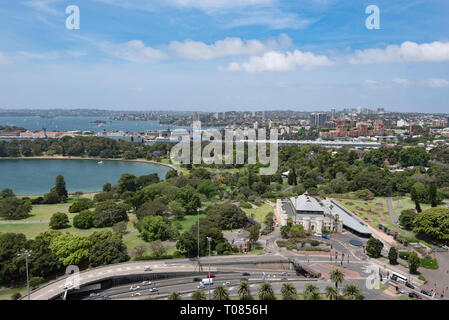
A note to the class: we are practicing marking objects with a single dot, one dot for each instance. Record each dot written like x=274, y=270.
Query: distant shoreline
x=90, y=159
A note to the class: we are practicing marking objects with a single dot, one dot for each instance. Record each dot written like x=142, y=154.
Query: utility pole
x=27, y=253
x=198, y=252
x=210, y=279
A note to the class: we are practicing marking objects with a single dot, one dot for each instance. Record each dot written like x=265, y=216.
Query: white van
x=207, y=281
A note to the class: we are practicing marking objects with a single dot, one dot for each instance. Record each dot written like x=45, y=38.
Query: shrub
x=84, y=220
x=59, y=220
x=80, y=205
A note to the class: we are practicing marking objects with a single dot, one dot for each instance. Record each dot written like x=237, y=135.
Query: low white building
x=313, y=215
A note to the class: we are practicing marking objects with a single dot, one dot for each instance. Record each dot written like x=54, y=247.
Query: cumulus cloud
x=197, y=50
x=406, y=52
x=281, y=62
x=135, y=51
x=402, y=82
x=437, y=83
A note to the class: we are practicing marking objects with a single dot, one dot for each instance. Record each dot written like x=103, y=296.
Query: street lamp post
x=209, y=240
x=27, y=253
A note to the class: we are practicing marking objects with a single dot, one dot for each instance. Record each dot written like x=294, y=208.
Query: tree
x=43, y=261
x=352, y=292
x=311, y=292
x=189, y=199
x=108, y=213
x=288, y=291
x=433, y=197
x=127, y=182
x=144, y=181
x=254, y=233
x=433, y=224
x=413, y=262
x=413, y=157
x=198, y=294
x=108, y=251
x=393, y=256
x=11, y=270
x=244, y=291
x=332, y=293
x=174, y=296
x=374, y=247
x=297, y=231
x=52, y=197
x=84, y=220
x=266, y=292
x=207, y=188
x=71, y=249
x=154, y=207
x=14, y=208
x=59, y=220
x=153, y=228
x=157, y=249
x=176, y=208
x=407, y=218
x=80, y=205
x=292, y=179
x=120, y=227
x=221, y=293
x=226, y=214
x=337, y=276
x=60, y=188
x=107, y=187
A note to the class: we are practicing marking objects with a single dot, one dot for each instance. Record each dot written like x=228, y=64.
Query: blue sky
x=219, y=55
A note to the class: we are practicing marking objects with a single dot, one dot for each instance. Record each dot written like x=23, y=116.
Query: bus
x=398, y=277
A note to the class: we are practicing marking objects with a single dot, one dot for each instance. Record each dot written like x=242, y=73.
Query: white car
x=200, y=286
x=401, y=291
x=153, y=290
x=93, y=294
x=135, y=294
x=68, y=285
x=148, y=268
x=134, y=288
x=146, y=283
x=227, y=283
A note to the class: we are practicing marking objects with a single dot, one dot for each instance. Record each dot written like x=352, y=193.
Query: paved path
x=394, y=217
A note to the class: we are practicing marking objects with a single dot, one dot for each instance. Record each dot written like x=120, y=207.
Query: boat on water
x=100, y=162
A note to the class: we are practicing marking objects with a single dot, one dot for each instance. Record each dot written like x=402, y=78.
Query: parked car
x=148, y=268
x=402, y=291
x=414, y=295
x=325, y=237
x=426, y=292
x=146, y=283
x=408, y=284
x=134, y=288
x=245, y=274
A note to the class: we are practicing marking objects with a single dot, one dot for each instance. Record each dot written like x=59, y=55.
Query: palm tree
x=288, y=291
x=311, y=292
x=337, y=276
x=174, y=296
x=331, y=293
x=352, y=292
x=266, y=292
x=199, y=295
x=244, y=291
x=221, y=293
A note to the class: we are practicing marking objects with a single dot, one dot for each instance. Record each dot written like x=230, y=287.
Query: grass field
x=5, y=294
x=259, y=213
x=372, y=212
x=189, y=220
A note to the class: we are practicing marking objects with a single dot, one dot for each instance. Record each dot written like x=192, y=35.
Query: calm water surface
x=35, y=177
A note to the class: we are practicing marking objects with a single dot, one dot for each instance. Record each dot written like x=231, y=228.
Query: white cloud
x=134, y=50
x=197, y=50
x=218, y=4
x=406, y=52
x=402, y=82
x=45, y=6
x=437, y=83
x=274, y=19
x=277, y=61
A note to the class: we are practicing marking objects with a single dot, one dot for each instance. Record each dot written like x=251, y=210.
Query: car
x=68, y=285
x=136, y=294
x=426, y=292
x=227, y=283
x=245, y=274
x=284, y=279
x=210, y=275
x=200, y=286
x=147, y=268
x=408, y=284
x=146, y=283
x=93, y=294
x=105, y=297
x=134, y=288
x=325, y=237
x=401, y=291
x=197, y=279
x=414, y=295
x=153, y=290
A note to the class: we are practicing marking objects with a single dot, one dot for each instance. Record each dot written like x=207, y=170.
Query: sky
x=222, y=55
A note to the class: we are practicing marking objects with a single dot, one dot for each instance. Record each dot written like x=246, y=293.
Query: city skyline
x=244, y=55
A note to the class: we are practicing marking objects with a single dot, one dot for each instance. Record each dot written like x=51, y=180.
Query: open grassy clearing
x=259, y=213
x=372, y=212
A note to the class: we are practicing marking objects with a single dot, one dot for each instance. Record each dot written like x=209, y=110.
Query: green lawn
x=373, y=212
x=6, y=294
x=188, y=221
x=259, y=213
x=404, y=203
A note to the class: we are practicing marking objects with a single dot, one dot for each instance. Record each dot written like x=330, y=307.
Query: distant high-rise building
x=196, y=116
x=318, y=119
x=333, y=113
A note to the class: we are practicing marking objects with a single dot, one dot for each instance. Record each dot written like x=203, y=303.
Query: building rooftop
x=305, y=202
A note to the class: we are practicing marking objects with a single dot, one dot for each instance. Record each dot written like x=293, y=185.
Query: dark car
x=408, y=284
x=197, y=279
x=426, y=292
x=414, y=295
x=245, y=274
